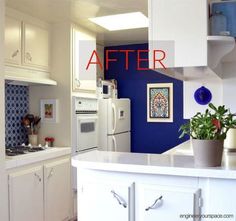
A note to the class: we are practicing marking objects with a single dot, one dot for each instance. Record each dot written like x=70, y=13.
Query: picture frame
x=160, y=102
x=49, y=110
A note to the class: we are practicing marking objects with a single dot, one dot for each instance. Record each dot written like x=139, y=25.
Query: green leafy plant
x=211, y=125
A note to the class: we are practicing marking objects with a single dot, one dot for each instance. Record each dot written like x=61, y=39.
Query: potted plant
x=208, y=131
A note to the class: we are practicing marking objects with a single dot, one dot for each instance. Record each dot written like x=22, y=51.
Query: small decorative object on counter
x=31, y=124
x=49, y=141
x=208, y=131
x=218, y=23
x=203, y=96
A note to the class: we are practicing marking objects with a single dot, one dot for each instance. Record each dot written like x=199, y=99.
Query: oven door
x=87, y=135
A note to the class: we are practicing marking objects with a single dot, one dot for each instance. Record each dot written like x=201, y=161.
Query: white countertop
x=24, y=159
x=179, y=163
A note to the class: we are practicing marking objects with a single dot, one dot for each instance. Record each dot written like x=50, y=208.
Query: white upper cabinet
x=35, y=46
x=12, y=41
x=26, y=44
x=83, y=73
x=179, y=27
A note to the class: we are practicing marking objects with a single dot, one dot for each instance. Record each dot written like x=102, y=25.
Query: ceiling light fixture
x=122, y=21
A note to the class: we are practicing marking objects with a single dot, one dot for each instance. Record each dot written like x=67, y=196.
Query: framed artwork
x=160, y=102
x=48, y=110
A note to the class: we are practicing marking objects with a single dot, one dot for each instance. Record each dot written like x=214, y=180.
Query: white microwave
x=107, y=89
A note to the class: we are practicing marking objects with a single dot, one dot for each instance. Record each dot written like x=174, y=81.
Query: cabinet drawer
x=156, y=202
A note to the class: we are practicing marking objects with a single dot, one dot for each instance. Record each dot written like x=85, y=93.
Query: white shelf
x=218, y=48
x=16, y=80
x=220, y=40
x=22, y=76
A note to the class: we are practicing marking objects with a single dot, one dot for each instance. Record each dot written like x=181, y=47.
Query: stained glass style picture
x=160, y=102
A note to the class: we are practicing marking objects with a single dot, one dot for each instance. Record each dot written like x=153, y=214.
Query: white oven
x=85, y=129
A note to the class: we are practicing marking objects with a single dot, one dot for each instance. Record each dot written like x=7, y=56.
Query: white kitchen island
x=152, y=187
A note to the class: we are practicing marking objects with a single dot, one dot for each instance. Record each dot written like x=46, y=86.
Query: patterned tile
x=16, y=107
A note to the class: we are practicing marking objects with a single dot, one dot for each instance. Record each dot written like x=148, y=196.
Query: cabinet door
x=154, y=202
x=104, y=201
x=36, y=46
x=26, y=195
x=57, y=190
x=179, y=27
x=220, y=198
x=12, y=41
x=83, y=46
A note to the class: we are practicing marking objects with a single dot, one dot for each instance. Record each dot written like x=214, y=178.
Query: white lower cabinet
x=105, y=201
x=41, y=192
x=110, y=200
x=26, y=194
x=156, y=202
x=56, y=190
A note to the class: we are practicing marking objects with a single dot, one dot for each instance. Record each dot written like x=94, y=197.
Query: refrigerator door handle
x=114, y=118
x=114, y=144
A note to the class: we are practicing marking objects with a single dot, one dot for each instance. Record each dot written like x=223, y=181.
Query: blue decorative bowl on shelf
x=203, y=96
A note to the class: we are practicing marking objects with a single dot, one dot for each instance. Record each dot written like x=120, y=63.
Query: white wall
x=3, y=180
x=199, y=77
x=229, y=86
x=60, y=62
x=223, y=90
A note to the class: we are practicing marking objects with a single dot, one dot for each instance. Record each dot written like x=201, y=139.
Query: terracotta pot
x=207, y=153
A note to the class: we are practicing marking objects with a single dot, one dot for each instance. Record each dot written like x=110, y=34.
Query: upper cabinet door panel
x=84, y=71
x=12, y=41
x=36, y=46
x=179, y=27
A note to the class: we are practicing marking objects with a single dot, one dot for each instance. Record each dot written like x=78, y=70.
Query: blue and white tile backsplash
x=16, y=107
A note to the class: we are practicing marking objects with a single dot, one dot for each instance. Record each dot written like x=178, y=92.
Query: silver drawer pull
x=119, y=199
x=154, y=204
x=15, y=53
x=39, y=178
x=28, y=56
x=51, y=173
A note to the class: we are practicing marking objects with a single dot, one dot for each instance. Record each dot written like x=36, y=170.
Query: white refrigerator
x=114, y=125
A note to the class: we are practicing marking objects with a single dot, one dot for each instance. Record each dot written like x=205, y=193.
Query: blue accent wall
x=146, y=137
x=16, y=107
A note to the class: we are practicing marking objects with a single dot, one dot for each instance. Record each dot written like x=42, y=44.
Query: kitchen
x=55, y=79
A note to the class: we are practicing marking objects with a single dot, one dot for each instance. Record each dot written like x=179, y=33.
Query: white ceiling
x=79, y=11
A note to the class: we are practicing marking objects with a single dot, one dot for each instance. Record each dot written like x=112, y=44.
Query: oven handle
x=87, y=117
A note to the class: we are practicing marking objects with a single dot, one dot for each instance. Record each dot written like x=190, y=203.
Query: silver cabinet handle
x=119, y=199
x=15, y=53
x=39, y=178
x=51, y=173
x=77, y=82
x=154, y=204
x=28, y=56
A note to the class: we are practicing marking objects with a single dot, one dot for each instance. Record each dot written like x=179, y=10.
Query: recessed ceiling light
x=122, y=21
